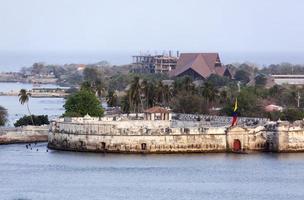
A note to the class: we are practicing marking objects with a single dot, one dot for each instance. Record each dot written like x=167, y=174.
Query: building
x=154, y=63
x=164, y=64
x=200, y=66
x=143, y=63
x=157, y=113
x=290, y=79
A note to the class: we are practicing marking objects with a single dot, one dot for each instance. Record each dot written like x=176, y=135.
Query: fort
x=173, y=133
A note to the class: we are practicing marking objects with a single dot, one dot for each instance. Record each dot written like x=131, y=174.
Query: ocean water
x=52, y=107
x=31, y=174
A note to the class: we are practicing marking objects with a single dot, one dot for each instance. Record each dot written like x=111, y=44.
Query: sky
x=105, y=27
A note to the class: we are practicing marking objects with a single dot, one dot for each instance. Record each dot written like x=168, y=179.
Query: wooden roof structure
x=204, y=64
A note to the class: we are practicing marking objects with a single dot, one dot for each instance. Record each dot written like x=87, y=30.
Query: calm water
x=39, y=106
x=31, y=174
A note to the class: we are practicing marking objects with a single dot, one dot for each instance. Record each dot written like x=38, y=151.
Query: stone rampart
x=174, y=136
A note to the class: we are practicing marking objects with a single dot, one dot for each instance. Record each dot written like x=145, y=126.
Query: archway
x=237, y=145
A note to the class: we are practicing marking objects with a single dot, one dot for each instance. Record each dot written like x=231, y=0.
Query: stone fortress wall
x=119, y=134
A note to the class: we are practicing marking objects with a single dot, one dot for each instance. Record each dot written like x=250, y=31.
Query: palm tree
x=209, y=92
x=111, y=98
x=160, y=92
x=167, y=94
x=135, y=94
x=99, y=87
x=145, y=91
x=24, y=97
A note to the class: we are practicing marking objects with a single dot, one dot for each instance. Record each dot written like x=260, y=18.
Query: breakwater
x=26, y=134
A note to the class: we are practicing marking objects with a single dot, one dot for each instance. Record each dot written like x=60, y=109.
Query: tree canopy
x=82, y=103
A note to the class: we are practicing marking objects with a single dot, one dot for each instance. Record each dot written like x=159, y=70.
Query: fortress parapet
x=119, y=134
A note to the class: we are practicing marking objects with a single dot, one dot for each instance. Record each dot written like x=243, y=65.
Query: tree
x=111, y=99
x=148, y=92
x=38, y=120
x=243, y=76
x=185, y=102
x=135, y=94
x=260, y=80
x=125, y=104
x=3, y=116
x=24, y=98
x=82, y=103
x=218, y=80
x=209, y=92
x=292, y=114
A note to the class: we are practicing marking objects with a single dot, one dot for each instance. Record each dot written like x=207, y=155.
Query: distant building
x=164, y=64
x=154, y=63
x=200, y=66
x=273, y=108
x=288, y=79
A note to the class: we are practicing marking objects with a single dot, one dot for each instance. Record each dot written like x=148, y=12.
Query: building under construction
x=154, y=63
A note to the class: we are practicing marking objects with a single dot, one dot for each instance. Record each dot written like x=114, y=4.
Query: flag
x=234, y=113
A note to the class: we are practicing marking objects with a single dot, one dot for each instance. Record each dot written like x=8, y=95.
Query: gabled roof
x=157, y=109
x=202, y=63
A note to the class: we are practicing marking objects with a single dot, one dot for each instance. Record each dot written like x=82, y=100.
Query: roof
x=202, y=63
x=157, y=109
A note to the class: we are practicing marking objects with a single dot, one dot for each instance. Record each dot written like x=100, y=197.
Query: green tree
x=243, y=76
x=3, y=116
x=24, y=97
x=38, y=120
x=185, y=102
x=112, y=99
x=125, y=104
x=82, y=103
x=260, y=80
x=218, y=80
x=209, y=92
x=135, y=94
x=292, y=114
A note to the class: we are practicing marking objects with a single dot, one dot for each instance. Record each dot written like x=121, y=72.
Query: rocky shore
x=26, y=134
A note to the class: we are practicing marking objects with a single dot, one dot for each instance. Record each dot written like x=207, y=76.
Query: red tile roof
x=157, y=109
x=201, y=63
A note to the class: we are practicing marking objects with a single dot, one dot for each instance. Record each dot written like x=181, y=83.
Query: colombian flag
x=234, y=114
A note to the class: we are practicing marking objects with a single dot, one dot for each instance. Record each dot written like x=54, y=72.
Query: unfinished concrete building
x=148, y=63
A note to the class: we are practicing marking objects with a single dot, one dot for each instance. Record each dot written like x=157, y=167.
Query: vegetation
x=135, y=92
x=3, y=116
x=27, y=120
x=112, y=99
x=82, y=103
x=24, y=97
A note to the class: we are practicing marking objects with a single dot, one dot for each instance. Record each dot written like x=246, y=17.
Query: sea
x=40, y=174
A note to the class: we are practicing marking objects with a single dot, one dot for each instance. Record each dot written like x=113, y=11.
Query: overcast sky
x=134, y=25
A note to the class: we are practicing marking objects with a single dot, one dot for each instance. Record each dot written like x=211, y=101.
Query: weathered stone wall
x=135, y=136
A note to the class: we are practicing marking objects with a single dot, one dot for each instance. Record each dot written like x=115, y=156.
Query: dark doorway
x=143, y=146
x=237, y=145
x=103, y=146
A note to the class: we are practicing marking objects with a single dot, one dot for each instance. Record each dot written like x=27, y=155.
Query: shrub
x=38, y=120
x=292, y=114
